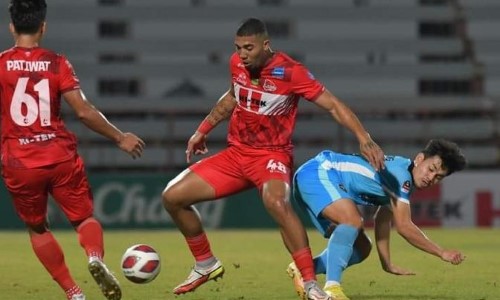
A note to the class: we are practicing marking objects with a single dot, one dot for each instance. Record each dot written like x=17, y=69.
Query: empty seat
x=462, y=129
x=391, y=130
x=483, y=155
x=112, y=157
x=184, y=128
x=316, y=129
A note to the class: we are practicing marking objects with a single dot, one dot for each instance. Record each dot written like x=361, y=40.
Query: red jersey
x=267, y=106
x=32, y=131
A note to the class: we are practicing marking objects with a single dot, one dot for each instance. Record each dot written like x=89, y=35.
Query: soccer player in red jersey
x=262, y=106
x=39, y=155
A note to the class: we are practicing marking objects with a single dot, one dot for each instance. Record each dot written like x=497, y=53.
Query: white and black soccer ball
x=140, y=263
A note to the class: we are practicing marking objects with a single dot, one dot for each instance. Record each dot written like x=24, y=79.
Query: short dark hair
x=449, y=152
x=252, y=26
x=27, y=15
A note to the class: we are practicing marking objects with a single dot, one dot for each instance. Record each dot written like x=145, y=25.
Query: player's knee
x=84, y=220
x=343, y=211
x=354, y=221
x=39, y=228
x=174, y=197
x=169, y=198
x=277, y=205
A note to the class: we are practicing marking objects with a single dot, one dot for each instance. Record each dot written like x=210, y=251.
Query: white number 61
x=34, y=109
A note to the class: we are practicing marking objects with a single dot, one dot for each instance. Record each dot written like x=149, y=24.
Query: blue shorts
x=315, y=188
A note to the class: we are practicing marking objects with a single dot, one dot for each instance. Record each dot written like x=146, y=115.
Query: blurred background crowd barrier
x=411, y=69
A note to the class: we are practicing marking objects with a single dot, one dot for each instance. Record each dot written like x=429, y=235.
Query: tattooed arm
x=223, y=108
x=346, y=117
x=221, y=111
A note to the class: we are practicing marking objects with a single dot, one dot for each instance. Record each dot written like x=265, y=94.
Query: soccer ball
x=140, y=263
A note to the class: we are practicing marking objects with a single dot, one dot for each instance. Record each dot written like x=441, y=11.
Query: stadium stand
x=155, y=67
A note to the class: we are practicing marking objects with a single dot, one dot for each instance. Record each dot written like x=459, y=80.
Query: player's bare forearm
x=97, y=122
x=343, y=115
x=382, y=230
x=91, y=116
x=128, y=142
x=418, y=239
x=222, y=110
x=346, y=117
x=409, y=231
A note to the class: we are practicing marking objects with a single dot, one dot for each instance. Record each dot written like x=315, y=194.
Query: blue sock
x=340, y=251
x=320, y=262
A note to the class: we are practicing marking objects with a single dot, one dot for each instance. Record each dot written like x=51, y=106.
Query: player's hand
x=196, y=145
x=452, y=256
x=131, y=144
x=396, y=270
x=373, y=153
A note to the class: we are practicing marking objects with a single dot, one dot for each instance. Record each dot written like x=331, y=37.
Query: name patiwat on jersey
x=30, y=66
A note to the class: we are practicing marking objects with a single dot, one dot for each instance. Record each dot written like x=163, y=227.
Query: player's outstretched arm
x=409, y=231
x=346, y=117
x=383, y=218
x=221, y=111
x=96, y=121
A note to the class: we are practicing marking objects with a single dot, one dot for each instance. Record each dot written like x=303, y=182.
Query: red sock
x=200, y=247
x=91, y=237
x=304, y=261
x=51, y=256
x=73, y=291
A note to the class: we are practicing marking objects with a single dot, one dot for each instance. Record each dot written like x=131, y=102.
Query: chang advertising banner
x=134, y=201
x=466, y=199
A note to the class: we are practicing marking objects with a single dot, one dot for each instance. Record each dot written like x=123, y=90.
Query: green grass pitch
x=255, y=262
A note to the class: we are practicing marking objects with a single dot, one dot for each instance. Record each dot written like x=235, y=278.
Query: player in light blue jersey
x=330, y=186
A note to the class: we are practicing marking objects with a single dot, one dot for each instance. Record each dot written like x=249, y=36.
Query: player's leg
x=292, y=269
x=51, y=255
x=343, y=212
x=275, y=195
x=271, y=173
x=361, y=249
x=28, y=189
x=315, y=190
x=212, y=178
x=71, y=191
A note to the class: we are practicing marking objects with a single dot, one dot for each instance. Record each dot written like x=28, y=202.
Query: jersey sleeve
x=397, y=183
x=68, y=80
x=304, y=83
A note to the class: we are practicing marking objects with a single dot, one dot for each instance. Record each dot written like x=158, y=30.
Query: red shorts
x=238, y=168
x=65, y=181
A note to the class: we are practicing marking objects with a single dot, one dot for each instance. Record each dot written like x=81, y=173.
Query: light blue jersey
x=331, y=176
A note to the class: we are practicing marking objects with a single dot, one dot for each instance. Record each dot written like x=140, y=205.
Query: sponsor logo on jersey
x=269, y=86
x=255, y=102
x=406, y=187
x=37, y=138
x=241, y=79
x=278, y=72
